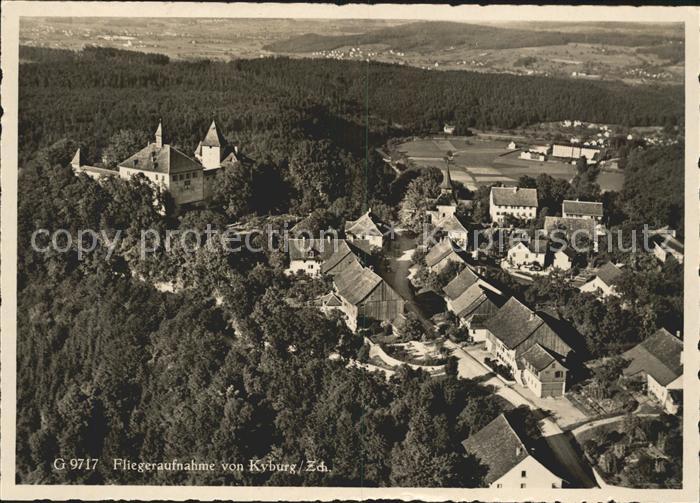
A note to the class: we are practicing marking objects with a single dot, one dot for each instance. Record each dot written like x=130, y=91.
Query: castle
x=188, y=180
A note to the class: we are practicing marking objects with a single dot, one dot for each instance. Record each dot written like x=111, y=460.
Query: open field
x=479, y=161
x=598, y=51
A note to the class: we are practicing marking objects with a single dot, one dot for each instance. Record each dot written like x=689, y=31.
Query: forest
x=111, y=367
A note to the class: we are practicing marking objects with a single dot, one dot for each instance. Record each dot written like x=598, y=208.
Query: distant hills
x=430, y=36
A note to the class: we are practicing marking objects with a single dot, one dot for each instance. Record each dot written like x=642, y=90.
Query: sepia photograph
x=302, y=247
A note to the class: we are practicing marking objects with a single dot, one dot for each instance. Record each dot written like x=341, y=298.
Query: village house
x=579, y=233
x=541, y=149
x=512, y=332
x=658, y=360
x=573, y=152
x=511, y=462
x=366, y=228
x=453, y=230
x=307, y=255
x=512, y=146
x=528, y=253
x=532, y=156
x=366, y=297
x=563, y=258
x=665, y=246
x=582, y=209
x=345, y=255
x=603, y=283
x=442, y=254
x=473, y=300
x=513, y=201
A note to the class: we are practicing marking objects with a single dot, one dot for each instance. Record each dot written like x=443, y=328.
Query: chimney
x=517, y=451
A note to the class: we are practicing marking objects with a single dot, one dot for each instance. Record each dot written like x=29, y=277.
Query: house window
x=498, y=486
x=522, y=486
x=523, y=473
x=558, y=374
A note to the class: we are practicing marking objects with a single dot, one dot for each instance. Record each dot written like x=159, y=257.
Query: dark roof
x=567, y=226
x=213, y=138
x=165, y=159
x=608, y=273
x=365, y=225
x=318, y=249
x=514, y=196
x=659, y=355
x=539, y=357
x=589, y=208
x=665, y=241
x=477, y=299
x=340, y=259
x=461, y=283
x=440, y=251
x=355, y=283
x=498, y=446
x=513, y=323
x=451, y=223
x=446, y=183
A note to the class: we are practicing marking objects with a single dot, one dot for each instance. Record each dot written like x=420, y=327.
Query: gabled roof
x=477, y=299
x=498, y=446
x=328, y=300
x=539, y=357
x=363, y=226
x=340, y=259
x=466, y=278
x=567, y=226
x=451, y=224
x=513, y=323
x=534, y=245
x=668, y=242
x=514, y=196
x=355, y=283
x=440, y=251
x=165, y=159
x=659, y=355
x=318, y=249
x=608, y=273
x=213, y=138
x=588, y=208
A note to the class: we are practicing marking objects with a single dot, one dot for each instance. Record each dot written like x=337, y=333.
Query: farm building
x=582, y=209
x=366, y=297
x=366, y=228
x=511, y=463
x=659, y=360
x=603, y=283
x=514, y=330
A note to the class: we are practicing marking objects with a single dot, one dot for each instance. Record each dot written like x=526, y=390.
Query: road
x=556, y=446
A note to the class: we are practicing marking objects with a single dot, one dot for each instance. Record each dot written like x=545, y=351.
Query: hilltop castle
x=188, y=180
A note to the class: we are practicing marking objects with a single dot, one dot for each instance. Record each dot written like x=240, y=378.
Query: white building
x=512, y=463
x=573, y=152
x=582, y=209
x=366, y=228
x=603, y=283
x=308, y=255
x=527, y=253
x=658, y=359
x=513, y=201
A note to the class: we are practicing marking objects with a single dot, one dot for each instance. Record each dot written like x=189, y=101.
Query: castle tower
x=213, y=147
x=159, y=135
x=76, y=162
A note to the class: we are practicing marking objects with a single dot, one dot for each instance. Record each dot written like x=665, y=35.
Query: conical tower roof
x=76, y=161
x=213, y=137
x=446, y=180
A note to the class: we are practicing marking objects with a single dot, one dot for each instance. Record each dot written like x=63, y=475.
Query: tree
x=123, y=144
x=418, y=197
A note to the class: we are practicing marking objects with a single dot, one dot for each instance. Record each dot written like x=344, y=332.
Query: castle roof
x=165, y=159
x=213, y=137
